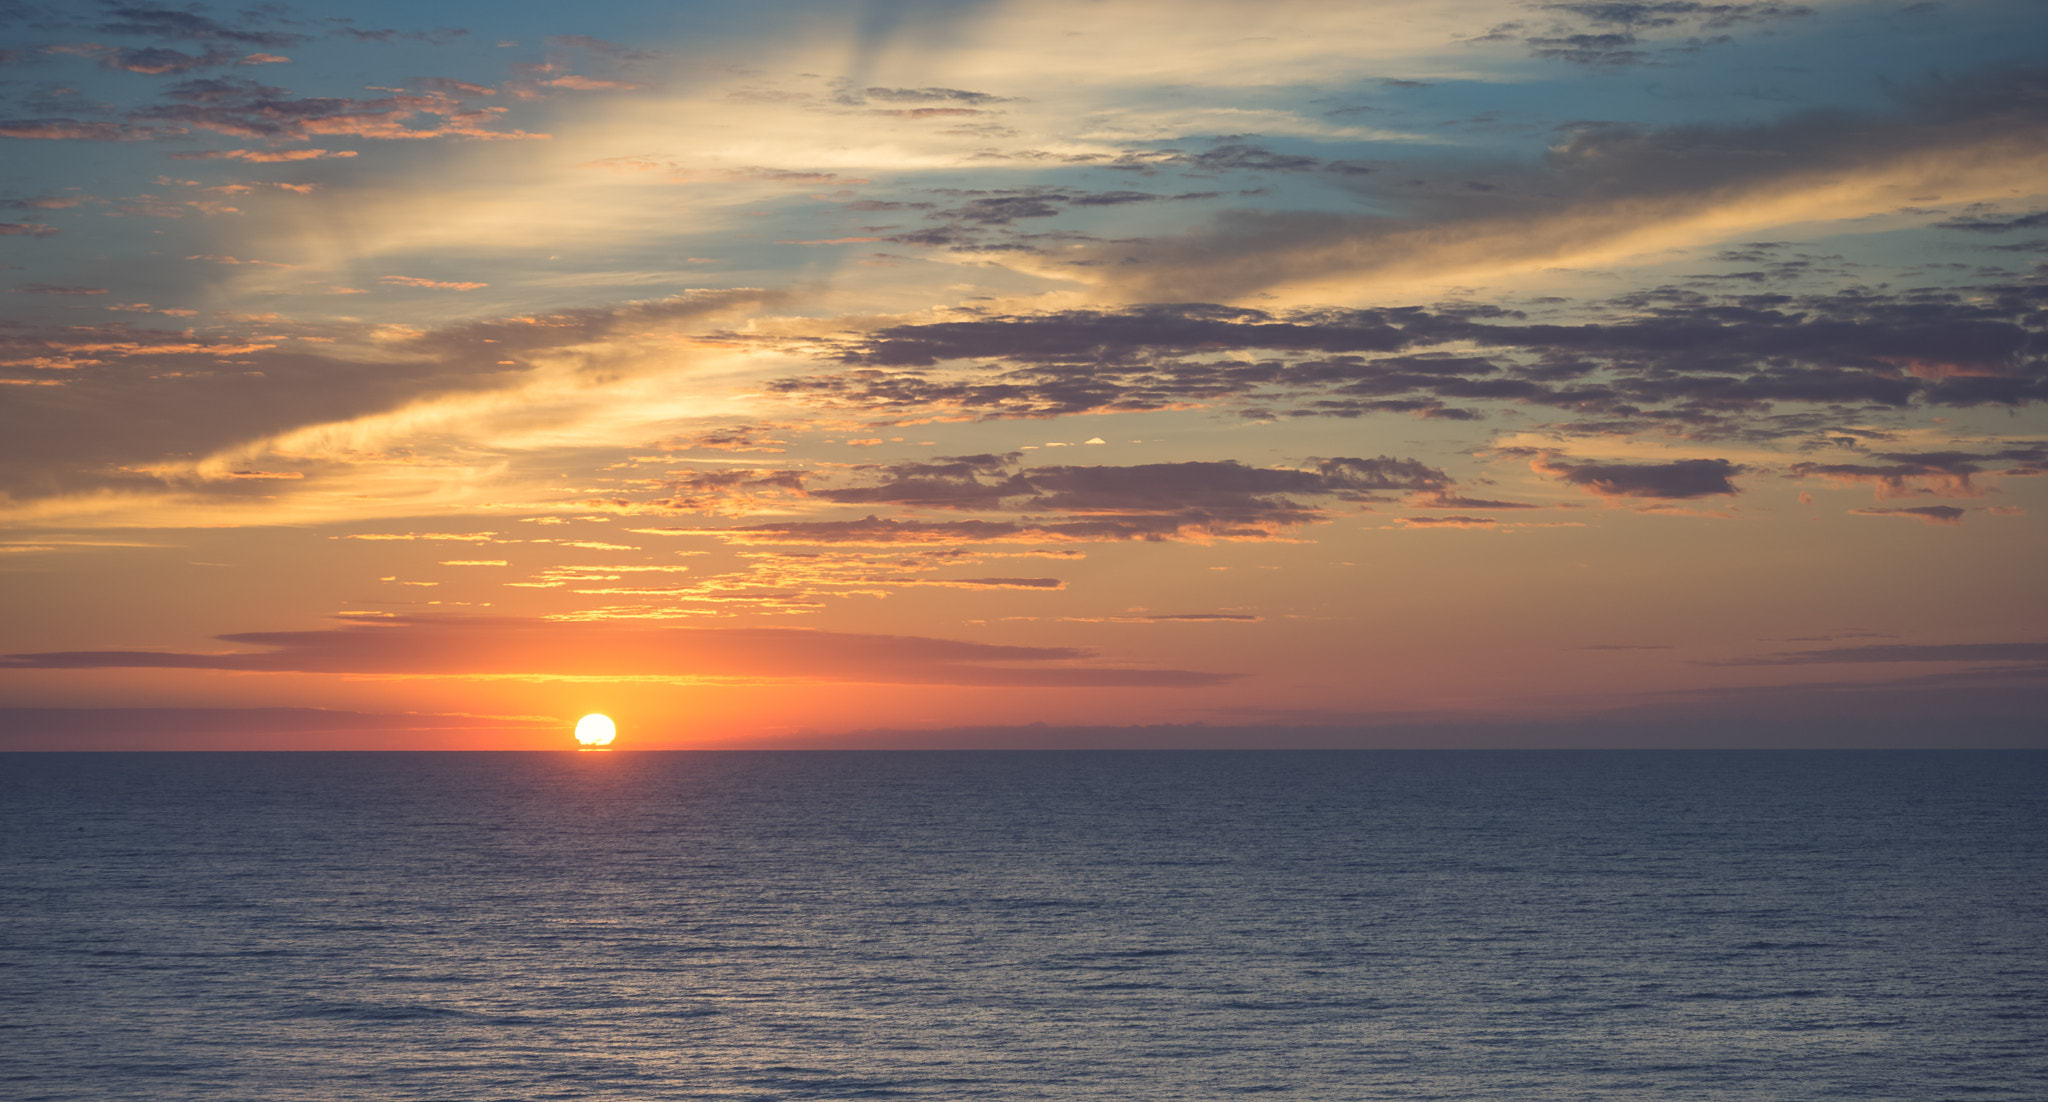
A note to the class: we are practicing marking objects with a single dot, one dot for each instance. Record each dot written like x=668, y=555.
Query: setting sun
x=595, y=730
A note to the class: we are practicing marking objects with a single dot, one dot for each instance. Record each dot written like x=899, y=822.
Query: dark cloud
x=239, y=728
x=439, y=36
x=1444, y=499
x=54, y=289
x=1681, y=480
x=143, y=21
x=154, y=60
x=993, y=482
x=1229, y=156
x=951, y=482
x=732, y=438
x=1672, y=13
x=1597, y=184
x=603, y=48
x=1194, y=501
x=720, y=492
x=1946, y=515
x=2035, y=221
x=1901, y=652
x=86, y=130
x=1687, y=362
x=1939, y=474
x=211, y=389
x=246, y=108
x=1454, y=521
x=1120, y=198
x=406, y=646
x=933, y=95
x=1612, y=49
x=982, y=219
x=1606, y=34
x=875, y=532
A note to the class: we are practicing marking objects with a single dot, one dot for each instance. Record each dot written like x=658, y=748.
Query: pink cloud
x=262, y=157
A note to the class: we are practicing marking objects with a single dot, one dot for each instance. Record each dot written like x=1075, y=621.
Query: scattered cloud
x=263, y=156
x=439, y=285
x=1902, y=652
x=1947, y=515
x=1679, y=480
x=414, y=646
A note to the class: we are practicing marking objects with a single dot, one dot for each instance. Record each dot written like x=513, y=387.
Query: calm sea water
x=1048, y=925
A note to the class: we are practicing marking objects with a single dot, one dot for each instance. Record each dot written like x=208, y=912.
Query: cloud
x=64, y=129
x=415, y=281
x=1195, y=501
x=1680, y=480
x=439, y=36
x=1448, y=522
x=27, y=229
x=1612, y=33
x=1601, y=194
x=2034, y=221
x=247, y=109
x=1191, y=501
x=601, y=47
x=1662, y=360
x=358, y=396
x=728, y=492
x=872, y=531
x=588, y=84
x=145, y=21
x=1929, y=514
x=933, y=95
x=986, y=219
x=243, y=728
x=1936, y=474
x=736, y=438
x=1901, y=652
x=155, y=60
x=489, y=647
x=54, y=289
x=257, y=156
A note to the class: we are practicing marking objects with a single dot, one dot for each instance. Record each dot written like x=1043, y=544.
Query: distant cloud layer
x=484, y=646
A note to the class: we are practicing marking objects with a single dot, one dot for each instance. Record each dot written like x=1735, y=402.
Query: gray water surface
x=1036, y=925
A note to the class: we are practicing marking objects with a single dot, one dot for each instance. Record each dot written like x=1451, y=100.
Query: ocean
x=1342, y=925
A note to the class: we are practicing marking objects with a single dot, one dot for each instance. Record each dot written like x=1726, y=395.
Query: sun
x=595, y=731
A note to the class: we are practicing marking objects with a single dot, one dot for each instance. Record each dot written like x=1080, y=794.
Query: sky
x=989, y=373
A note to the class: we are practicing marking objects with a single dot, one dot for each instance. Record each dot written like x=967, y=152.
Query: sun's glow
x=596, y=730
